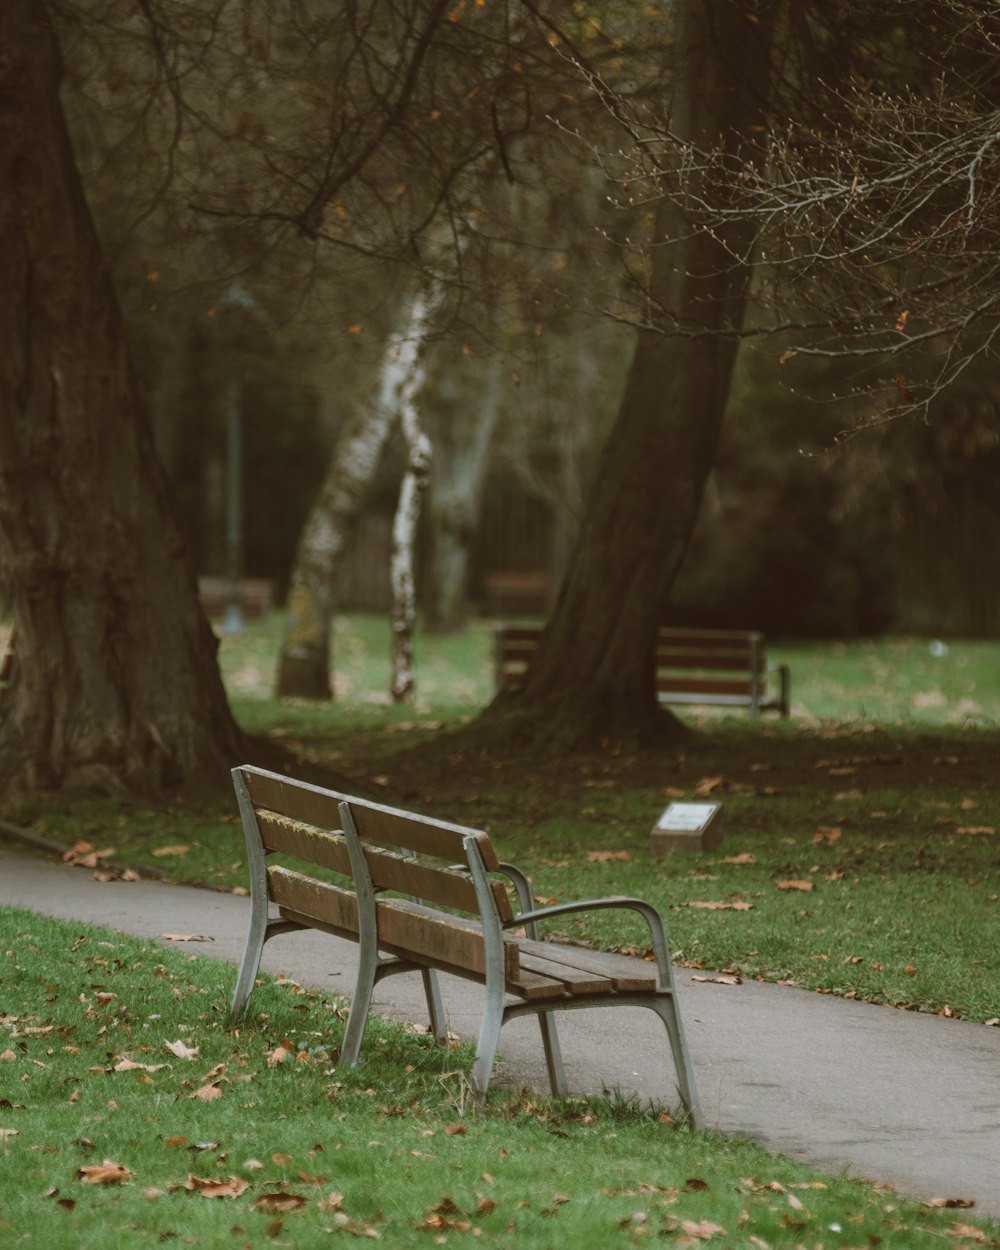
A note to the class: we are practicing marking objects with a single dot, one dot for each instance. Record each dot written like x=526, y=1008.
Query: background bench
x=466, y=914
x=723, y=667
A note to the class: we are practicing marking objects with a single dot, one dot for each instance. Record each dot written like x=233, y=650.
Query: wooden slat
x=404, y=928
x=319, y=899
x=575, y=980
x=305, y=842
x=389, y=826
x=719, y=661
x=703, y=685
x=626, y=973
x=450, y=941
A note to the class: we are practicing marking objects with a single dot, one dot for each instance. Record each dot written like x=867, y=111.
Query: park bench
x=727, y=668
x=461, y=912
x=255, y=596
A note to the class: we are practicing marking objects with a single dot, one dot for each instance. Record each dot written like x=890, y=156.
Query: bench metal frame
x=502, y=999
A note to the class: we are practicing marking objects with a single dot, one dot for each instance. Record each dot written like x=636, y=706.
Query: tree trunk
x=116, y=688
x=592, y=678
x=304, y=666
x=404, y=525
x=467, y=400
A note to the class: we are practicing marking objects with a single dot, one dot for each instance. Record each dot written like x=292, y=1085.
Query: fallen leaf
x=716, y=905
x=207, y=1093
x=188, y=937
x=720, y=980
x=170, y=850
x=827, y=835
x=280, y=1203
x=106, y=1173
x=7, y=1133
x=950, y=1202
x=600, y=857
x=975, y=830
x=707, y=784
x=746, y=858
x=182, y=1050
x=332, y=1202
x=211, y=1188
x=795, y=885
x=129, y=1065
x=279, y=1054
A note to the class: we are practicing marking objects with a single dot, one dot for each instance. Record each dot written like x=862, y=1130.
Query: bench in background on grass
x=723, y=667
x=465, y=913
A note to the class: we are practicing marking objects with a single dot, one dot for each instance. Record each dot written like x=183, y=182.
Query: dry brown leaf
x=975, y=830
x=188, y=937
x=707, y=784
x=825, y=834
x=715, y=905
x=170, y=850
x=209, y=1187
x=795, y=885
x=720, y=980
x=280, y=1203
x=950, y=1202
x=279, y=1054
x=106, y=1173
x=7, y=1133
x=208, y=1093
x=7, y=1056
x=599, y=857
x=129, y=1065
x=746, y=858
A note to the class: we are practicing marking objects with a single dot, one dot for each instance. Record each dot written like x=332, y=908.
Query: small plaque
x=687, y=827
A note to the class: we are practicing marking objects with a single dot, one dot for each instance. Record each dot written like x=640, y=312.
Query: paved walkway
x=892, y=1096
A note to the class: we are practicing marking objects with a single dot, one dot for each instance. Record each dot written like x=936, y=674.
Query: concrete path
x=891, y=1096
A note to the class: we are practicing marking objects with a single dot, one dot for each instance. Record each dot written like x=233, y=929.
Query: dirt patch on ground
x=450, y=768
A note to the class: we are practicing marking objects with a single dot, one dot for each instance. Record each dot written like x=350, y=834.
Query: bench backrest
x=690, y=663
x=401, y=853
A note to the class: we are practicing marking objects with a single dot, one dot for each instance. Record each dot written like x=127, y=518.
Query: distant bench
x=723, y=667
x=255, y=597
x=466, y=914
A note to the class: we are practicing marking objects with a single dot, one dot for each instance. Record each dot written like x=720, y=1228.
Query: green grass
x=297, y=1151
x=892, y=826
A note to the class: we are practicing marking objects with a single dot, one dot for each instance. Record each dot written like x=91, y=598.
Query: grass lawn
x=860, y=835
x=131, y=1116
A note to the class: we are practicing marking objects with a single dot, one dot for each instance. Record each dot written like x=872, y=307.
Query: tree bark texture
x=402, y=578
x=592, y=678
x=468, y=396
x=116, y=688
x=305, y=662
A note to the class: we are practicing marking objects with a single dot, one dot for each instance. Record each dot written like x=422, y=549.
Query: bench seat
x=463, y=912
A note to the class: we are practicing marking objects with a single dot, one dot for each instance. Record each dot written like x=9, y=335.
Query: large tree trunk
x=116, y=688
x=592, y=678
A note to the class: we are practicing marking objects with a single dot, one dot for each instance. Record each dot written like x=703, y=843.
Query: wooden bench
x=727, y=668
x=464, y=913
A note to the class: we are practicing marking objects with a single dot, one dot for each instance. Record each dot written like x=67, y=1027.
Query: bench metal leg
x=553, y=1053
x=666, y=1008
x=435, y=1008
x=249, y=965
x=489, y=1037
x=361, y=1001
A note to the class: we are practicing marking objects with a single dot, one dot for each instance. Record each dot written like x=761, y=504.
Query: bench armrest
x=529, y=918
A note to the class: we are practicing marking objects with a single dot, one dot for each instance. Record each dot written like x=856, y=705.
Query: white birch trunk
x=404, y=526
x=304, y=667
